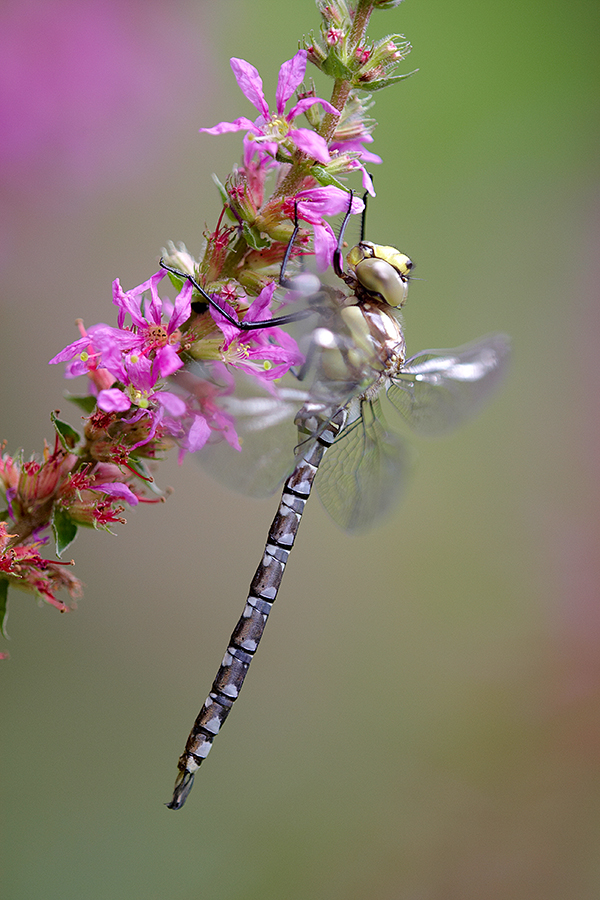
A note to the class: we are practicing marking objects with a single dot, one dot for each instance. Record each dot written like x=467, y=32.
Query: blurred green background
x=423, y=719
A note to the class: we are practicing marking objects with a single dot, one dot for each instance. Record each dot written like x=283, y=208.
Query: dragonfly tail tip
x=183, y=786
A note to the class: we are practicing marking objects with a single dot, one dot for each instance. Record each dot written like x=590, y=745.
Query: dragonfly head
x=381, y=270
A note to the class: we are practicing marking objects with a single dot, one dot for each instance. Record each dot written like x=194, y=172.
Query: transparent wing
x=262, y=420
x=438, y=389
x=363, y=474
x=267, y=427
x=268, y=436
x=337, y=367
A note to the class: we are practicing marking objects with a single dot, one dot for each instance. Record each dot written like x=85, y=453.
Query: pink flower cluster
x=128, y=366
x=271, y=140
x=272, y=137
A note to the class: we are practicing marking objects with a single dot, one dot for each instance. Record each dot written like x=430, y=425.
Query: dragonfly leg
x=283, y=281
x=243, y=326
x=338, y=256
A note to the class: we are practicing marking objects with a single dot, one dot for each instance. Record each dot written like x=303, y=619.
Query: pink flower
x=204, y=421
x=272, y=131
x=356, y=146
x=96, y=354
x=119, y=491
x=26, y=569
x=102, y=346
x=315, y=203
x=152, y=337
x=137, y=355
x=266, y=353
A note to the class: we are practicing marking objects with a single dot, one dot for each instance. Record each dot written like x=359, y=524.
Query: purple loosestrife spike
x=163, y=375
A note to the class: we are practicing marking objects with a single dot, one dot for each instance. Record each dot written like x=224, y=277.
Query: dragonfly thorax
x=386, y=335
x=377, y=336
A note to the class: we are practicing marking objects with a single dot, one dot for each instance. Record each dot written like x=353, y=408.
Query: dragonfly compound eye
x=380, y=277
x=381, y=270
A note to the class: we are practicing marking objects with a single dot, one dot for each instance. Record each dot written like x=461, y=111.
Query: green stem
x=339, y=96
x=294, y=178
x=341, y=88
x=361, y=20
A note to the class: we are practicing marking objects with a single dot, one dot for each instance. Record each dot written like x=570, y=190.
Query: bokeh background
x=423, y=719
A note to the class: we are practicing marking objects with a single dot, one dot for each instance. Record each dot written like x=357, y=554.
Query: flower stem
x=342, y=87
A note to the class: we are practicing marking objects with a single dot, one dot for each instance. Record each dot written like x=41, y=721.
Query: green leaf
x=176, y=281
x=4, y=607
x=384, y=82
x=221, y=189
x=325, y=178
x=64, y=528
x=335, y=68
x=254, y=238
x=69, y=438
x=87, y=404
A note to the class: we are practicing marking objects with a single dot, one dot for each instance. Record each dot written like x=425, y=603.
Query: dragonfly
x=356, y=356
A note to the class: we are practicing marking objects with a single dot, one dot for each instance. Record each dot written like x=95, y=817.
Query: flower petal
x=306, y=102
x=366, y=178
x=167, y=360
x=182, y=309
x=241, y=124
x=367, y=182
x=250, y=84
x=71, y=350
x=325, y=201
x=119, y=490
x=311, y=143
x=113, y=400
x=267, y=149
x=230, y=332
x=290, y=77
x=367, y=156
x=357, y=147
x=198, y=434
x=172, y=403
x=259, y=308
x=325, y=244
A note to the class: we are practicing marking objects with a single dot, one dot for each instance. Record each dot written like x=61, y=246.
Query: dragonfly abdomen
x=246, y=635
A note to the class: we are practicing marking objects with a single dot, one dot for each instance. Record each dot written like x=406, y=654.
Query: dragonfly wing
x=267, y=435
x=264, y=417
x=262, y=420
x=438, y=389
x=363, y=474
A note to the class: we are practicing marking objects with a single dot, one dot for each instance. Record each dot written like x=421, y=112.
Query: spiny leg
x=283, y=281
